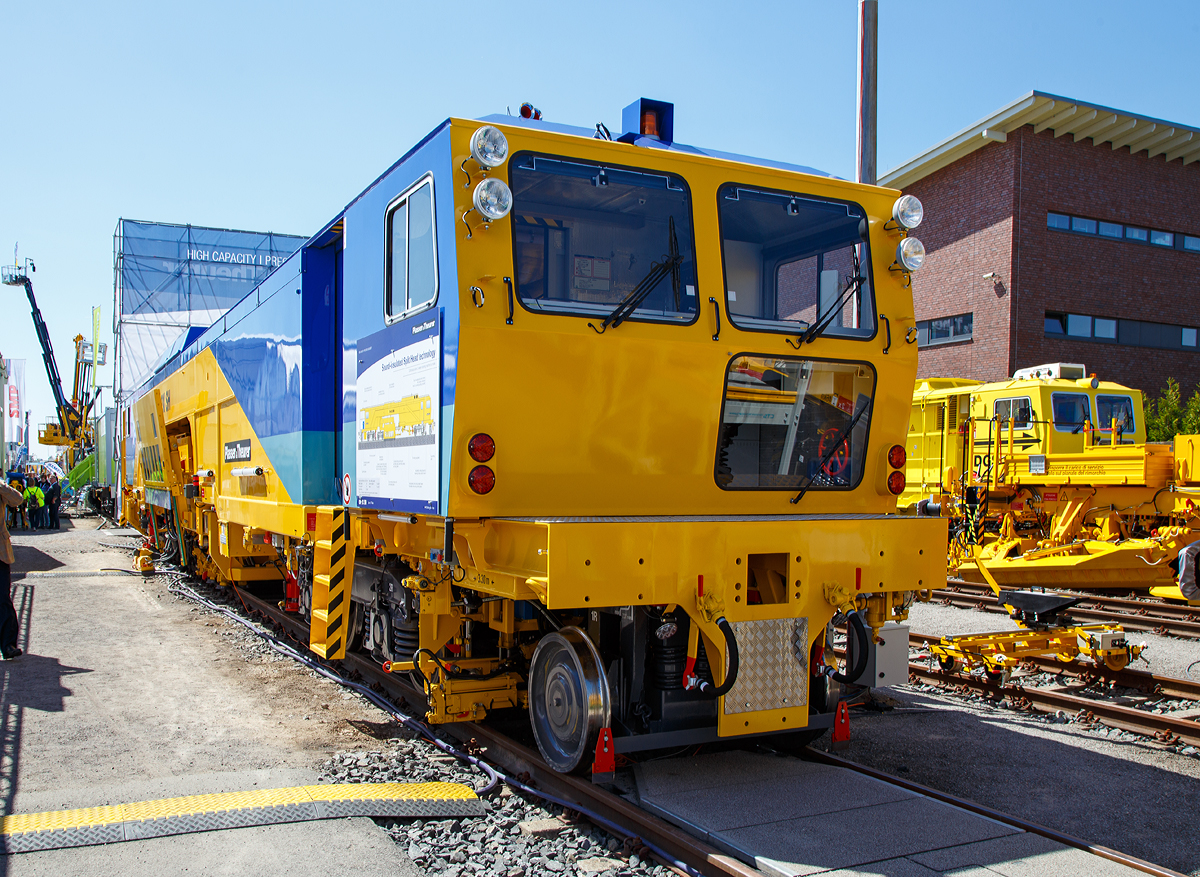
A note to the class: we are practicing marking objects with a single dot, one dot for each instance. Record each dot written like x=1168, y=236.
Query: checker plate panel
x=772, y=665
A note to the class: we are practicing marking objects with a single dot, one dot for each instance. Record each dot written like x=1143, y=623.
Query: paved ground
x=121, y=698
x=792, y=817
x=1107, y=787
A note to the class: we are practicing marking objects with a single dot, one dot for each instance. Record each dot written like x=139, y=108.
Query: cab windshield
x=795, y=261
x=590, y=238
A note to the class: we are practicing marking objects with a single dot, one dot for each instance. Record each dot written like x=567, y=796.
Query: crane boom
x=69, y=419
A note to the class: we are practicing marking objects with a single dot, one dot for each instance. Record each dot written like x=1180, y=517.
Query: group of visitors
x=41, y=498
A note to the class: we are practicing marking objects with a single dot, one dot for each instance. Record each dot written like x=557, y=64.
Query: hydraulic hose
x=731, y=650
x=853, y=674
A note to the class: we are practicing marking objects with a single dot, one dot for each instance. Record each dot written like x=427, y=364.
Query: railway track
x=1163, y=619
x=1162, y=727
x=1150, y=683
x=518, y=760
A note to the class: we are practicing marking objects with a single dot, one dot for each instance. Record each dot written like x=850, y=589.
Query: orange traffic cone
x=841, y=727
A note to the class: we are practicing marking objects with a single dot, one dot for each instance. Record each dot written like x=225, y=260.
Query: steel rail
x=983, y=810
x=1149, y=623
x=1151, y=683
x=1136, y=606
x=1162, y=727
x=516, y=760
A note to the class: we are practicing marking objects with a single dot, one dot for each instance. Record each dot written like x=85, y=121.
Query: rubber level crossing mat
x=57, y=829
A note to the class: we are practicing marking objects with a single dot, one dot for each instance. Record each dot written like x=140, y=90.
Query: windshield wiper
x=841, y=440
x=654, y=276
x=821, y=323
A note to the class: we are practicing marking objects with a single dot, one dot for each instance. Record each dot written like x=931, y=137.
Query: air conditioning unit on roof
x=1069, y=371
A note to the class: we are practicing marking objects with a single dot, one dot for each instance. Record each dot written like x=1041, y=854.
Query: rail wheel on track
x=568, y=698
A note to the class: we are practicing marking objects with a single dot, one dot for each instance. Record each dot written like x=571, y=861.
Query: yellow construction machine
x=1048, y=481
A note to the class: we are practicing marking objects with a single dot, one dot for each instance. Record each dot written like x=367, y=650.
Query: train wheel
x=568, y=698
x=996, y=677
x=305, y=600
x=1116, y=662
x=947, y=664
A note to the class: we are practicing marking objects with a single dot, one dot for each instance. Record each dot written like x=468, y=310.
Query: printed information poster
x=398, y=416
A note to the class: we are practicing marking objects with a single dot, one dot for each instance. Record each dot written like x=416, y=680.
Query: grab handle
x=717, y=310
x=887, y=326
x=508, y=283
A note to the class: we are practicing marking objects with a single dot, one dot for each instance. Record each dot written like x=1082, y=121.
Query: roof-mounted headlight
x=489, y=146
x=493, y=199
x=910, y=253
x=907, y=212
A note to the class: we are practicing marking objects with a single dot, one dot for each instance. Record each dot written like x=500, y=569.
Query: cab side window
x=411, y=277
x=1071, y=411
x=1019, y=410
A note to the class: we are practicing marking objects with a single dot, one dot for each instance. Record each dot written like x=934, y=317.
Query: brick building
x=1059, y=231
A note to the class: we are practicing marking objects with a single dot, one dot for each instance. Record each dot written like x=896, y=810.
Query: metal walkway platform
x=59, y=829
x=790, y=817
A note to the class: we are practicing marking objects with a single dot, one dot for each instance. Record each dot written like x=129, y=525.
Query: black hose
x=860, y=652
x=731, y=650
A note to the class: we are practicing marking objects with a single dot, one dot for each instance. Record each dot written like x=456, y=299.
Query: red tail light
x=897, y=457
x=481, y=447
x=482, y=479
x=896, y=483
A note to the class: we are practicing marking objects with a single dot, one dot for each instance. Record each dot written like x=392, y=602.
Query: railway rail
x=517, y=759
x=1162, y=727
x=1164, y=619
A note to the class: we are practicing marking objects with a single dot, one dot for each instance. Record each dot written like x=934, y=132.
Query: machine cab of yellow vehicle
x=541, y=408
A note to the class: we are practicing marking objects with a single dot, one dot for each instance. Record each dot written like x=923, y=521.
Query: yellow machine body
x=1053, y=496
x=607, y=503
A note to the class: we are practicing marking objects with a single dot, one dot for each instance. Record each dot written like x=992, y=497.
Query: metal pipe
x=868, y=59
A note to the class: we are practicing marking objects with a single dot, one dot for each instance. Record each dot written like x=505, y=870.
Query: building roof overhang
x=1063, y=116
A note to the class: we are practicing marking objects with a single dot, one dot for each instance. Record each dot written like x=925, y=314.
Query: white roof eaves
x=1063, y=116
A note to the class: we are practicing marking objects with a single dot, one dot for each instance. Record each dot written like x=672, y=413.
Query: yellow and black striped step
x=58, y=829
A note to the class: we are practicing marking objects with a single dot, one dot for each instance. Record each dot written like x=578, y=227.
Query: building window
x=1131, y=333
x=1079, y=326
x=1117, y=231
x=945, y=330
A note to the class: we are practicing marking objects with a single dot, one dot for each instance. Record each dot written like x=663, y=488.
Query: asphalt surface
x=1107, y=787
x=122, y=696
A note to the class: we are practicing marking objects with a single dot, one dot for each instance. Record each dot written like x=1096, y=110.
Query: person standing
x=8, y=615
x=53, y=501
x=34, y=500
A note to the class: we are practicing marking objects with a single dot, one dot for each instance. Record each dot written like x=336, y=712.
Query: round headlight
x=489, y=146
x=907, y=211
x=493, y=199
x=910, y=253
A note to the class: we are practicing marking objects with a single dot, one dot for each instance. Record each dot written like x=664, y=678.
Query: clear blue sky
x=272, y=116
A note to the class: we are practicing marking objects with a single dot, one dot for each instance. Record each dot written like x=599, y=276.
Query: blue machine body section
x=288, y=349
x=363, y=307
